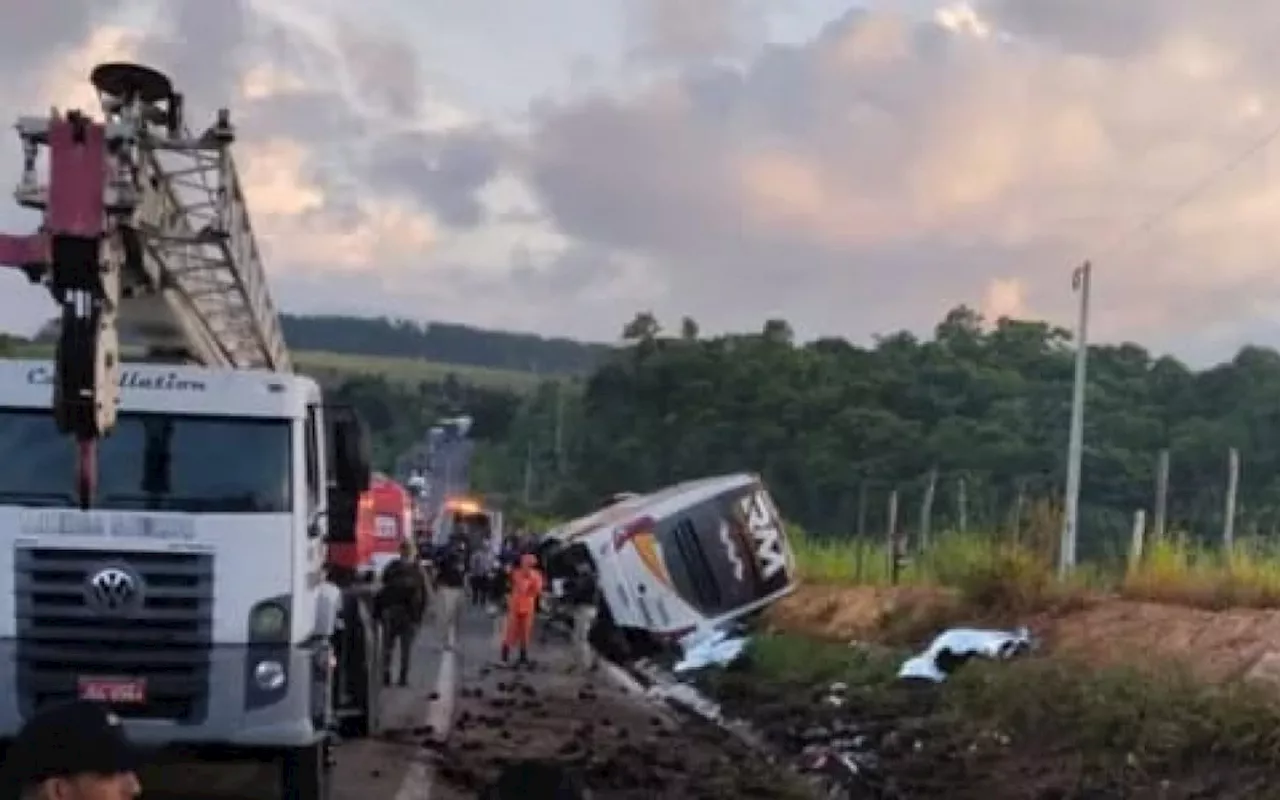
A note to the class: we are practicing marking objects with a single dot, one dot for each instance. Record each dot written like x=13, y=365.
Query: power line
x=1191, y=193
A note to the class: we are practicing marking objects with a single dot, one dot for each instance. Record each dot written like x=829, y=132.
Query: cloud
x=865, y=177
x=678, y=30
x=350, y=164
x=891, y=167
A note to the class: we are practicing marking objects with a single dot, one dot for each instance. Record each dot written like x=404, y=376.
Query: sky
x=557, y=166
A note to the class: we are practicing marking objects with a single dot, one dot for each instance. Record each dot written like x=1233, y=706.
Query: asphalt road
x=389, y=767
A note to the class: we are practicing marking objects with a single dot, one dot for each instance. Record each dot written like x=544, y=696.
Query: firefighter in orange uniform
x=522, y=605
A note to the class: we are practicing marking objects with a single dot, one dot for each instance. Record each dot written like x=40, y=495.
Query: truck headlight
x=269, y=675
x=269, y=622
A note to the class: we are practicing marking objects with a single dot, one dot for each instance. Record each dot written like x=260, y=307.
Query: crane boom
x=145, y=228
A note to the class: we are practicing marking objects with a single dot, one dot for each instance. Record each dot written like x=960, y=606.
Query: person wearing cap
x=72, y=751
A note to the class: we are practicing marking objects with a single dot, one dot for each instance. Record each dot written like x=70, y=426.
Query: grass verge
x=995, y=575
x=321, y=364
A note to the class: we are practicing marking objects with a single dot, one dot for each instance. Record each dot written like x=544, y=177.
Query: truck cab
x=482, y=525
x=191, y=595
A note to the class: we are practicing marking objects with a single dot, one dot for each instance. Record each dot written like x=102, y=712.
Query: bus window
x=705, y=586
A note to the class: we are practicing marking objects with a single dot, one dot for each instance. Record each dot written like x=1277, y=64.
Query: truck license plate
x=114, y=690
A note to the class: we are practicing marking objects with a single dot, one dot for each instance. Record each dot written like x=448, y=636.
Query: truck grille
x=64, y=635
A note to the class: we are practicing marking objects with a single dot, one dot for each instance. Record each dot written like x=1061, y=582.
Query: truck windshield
x=162, y=462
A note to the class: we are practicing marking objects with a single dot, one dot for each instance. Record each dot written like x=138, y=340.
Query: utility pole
x=1080, y=280
x=1162, y=495
x=1233, y=489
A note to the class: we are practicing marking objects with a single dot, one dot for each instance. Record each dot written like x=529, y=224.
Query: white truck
x=166, y=523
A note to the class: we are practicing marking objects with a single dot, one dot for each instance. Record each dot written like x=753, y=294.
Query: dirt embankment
x=1041, y=728
x=1215, y=645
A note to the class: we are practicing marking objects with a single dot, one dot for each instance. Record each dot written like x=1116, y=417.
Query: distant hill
x=441, y=343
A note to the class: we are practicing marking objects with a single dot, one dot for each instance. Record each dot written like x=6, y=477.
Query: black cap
x=69, y=739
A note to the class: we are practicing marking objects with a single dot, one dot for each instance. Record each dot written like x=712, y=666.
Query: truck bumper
x=237, y=712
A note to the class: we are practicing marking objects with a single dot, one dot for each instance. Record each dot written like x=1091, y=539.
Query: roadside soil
x=905, y=746
x=907, y=741
x=623, y=748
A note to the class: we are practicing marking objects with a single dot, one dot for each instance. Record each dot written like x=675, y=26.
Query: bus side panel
x=612, y=580
x=644, y=567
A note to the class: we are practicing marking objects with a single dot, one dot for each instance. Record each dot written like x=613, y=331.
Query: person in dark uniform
x=481, y=575
x=401, y=604
x=72, y=751
x=584, y=598
x=451, y=580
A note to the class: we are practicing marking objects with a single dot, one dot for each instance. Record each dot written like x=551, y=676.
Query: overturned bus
x=676, y=564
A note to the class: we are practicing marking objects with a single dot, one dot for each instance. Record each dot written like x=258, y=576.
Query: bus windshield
x=160, y=462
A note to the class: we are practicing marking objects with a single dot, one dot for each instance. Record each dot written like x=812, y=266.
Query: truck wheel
x=304, y=775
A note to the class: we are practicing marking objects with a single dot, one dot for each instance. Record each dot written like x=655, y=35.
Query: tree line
x=979, y=411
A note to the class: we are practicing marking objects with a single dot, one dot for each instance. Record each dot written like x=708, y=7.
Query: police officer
x=584, y=598
x=451, y=580
x=401, y=604
x=481, y=572
x=73, y=751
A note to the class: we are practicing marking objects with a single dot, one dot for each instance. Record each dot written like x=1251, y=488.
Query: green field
x=321, y=364
x=324, y=365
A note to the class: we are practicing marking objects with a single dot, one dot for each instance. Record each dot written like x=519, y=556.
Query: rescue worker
x=522, y=606
x=451, y=579
x=401, y=605
x=72, y=751
x=584, y=598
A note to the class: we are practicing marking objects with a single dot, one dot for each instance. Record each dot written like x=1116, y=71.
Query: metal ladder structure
x=145, y=229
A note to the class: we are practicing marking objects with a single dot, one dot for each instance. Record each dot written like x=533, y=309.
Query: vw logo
x=113, y=590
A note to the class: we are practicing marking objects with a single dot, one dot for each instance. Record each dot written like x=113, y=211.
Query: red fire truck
x=382, y=523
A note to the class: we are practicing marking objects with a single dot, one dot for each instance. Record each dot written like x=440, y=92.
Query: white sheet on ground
x=962, y=642
x=719, y=649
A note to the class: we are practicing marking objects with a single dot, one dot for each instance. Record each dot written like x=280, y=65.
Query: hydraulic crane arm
x=145, y=227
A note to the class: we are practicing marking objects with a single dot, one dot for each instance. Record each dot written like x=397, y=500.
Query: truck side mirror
x=352, y=463
x=350, y=472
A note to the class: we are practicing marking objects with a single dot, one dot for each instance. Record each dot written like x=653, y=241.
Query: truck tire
x=361, y=667
x=368, y=688
x=305, y=772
